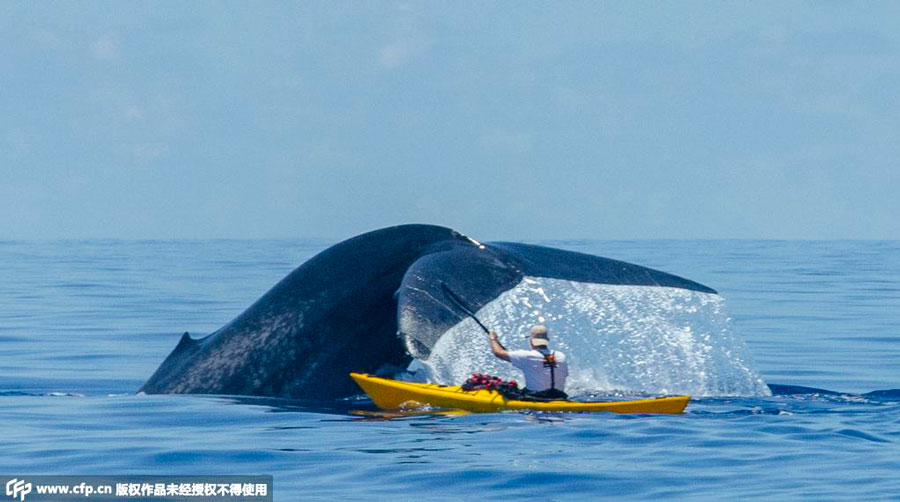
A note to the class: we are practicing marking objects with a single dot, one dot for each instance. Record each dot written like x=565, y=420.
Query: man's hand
x=496, y=348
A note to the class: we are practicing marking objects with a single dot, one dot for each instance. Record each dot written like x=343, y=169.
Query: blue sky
x=505, y=120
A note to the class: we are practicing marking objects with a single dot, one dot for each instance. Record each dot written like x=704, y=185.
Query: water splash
x=632, y=339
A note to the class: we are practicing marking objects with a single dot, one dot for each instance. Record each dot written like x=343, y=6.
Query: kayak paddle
x=459, y=303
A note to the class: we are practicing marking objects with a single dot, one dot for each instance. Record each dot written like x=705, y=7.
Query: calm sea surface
x=84, y=323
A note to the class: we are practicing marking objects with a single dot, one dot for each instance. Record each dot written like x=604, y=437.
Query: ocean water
x=84, y=323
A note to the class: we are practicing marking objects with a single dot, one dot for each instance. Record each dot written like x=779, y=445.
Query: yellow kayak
x=393, y=394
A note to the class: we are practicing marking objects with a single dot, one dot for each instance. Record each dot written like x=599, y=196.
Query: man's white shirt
x=537, y=376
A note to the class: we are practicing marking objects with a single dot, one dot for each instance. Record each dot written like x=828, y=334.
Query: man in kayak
x=545, y=370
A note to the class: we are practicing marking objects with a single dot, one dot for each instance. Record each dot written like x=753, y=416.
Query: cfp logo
x=16, y=488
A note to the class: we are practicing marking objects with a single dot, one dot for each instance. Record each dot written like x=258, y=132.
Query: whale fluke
x=370, y=302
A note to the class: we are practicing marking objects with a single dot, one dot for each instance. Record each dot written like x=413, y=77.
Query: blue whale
x=370, y=302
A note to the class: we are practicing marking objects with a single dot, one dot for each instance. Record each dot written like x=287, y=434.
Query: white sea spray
x=633, y=339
